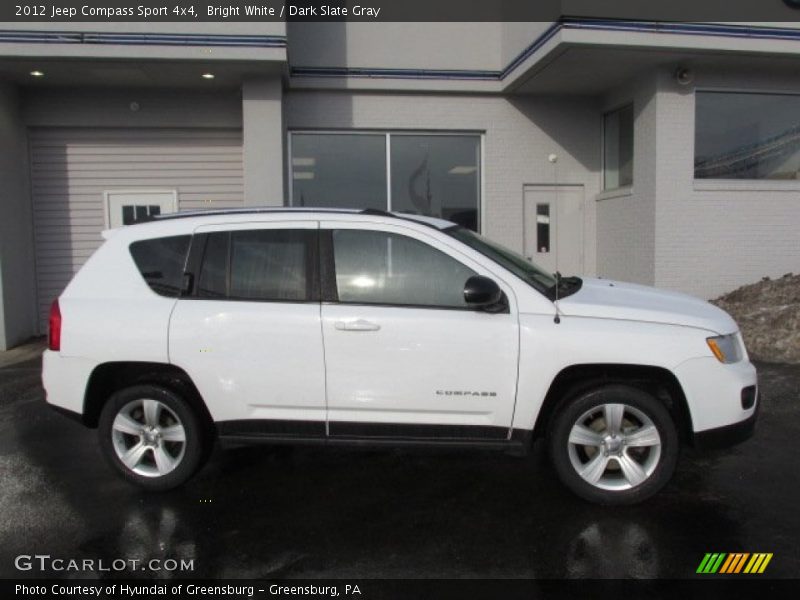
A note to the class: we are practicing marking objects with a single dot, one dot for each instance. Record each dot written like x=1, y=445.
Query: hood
x=606, y=299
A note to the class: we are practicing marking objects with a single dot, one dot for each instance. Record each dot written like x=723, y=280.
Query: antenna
x=553, y=159
x=557, y=318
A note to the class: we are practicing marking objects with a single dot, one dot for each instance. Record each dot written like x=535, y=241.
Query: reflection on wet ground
x=311, y=512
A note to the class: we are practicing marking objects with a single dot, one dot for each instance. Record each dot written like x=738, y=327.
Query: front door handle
x=357, y=325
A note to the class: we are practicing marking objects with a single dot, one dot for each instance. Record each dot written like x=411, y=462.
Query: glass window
x=437, y=175
x=213, y=280
x=542, y=228
x=131, y=213
x=161, y=262
x=374, y=267
x=618, y=148
x=516, y=263
x=433, y=175
x=267, y=265
x=339, y=170
x=746, y=136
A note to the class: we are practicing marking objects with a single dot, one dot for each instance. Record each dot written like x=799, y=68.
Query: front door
x=124, y=207
x=405, y=357
x=554, y=227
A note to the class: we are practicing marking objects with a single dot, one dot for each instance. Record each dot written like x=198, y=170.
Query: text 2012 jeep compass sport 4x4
x=376, y=328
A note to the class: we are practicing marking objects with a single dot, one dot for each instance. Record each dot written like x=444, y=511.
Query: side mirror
x=480, y=291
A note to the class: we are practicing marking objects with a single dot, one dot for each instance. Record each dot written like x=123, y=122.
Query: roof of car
x=422, y=219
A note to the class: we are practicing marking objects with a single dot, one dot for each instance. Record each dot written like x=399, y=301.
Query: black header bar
x=188, y=11
x=706, y=588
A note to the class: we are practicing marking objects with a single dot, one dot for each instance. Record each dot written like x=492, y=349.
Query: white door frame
x=143, y=191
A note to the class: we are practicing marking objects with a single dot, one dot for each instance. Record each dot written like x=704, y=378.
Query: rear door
x=249, y=334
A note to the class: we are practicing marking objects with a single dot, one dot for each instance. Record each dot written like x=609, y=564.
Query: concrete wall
x=195, y=51
x=396, y=45
x=714, y=236
x=519, y=134
x=703, y=237
x=98, y=107
x=17, y=286
x=626, y=217
x=518, y=35
x=262, y=110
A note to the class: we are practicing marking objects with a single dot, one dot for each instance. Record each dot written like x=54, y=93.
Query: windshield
x=517, y=264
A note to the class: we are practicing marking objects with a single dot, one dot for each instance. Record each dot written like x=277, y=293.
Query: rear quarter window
x=161, y=262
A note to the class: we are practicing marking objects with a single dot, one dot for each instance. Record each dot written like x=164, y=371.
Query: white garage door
x=73, y=171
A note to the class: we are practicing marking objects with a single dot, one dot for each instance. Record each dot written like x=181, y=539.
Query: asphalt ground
x=314, y=512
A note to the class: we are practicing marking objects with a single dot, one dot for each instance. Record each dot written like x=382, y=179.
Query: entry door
x=129, y=206
x=554, y=227
x=404, y=355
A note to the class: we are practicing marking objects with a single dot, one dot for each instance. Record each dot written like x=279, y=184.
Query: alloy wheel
x=148, y=438
x=614, y=446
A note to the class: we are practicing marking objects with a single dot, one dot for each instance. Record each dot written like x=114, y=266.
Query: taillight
x=54, y=339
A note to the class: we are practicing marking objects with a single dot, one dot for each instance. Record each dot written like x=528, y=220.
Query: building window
x=427, y=174
x=437, y=175
x=618, y=148
x=339, y=170
x=746, y=136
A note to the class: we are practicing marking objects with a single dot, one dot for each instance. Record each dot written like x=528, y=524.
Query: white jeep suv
x=372, y=328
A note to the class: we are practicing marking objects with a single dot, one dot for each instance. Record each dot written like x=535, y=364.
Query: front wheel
x=614, y=444
x=151, y=436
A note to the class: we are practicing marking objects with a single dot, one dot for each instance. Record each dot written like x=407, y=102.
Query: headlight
x=726, y=348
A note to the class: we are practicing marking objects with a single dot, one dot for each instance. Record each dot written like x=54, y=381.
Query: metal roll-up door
x=73, y=170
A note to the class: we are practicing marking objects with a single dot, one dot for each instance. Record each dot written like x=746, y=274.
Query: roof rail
x=378, y=212
x=374, y=212
x=205, y=212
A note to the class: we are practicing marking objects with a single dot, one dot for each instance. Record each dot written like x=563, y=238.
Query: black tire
x=189, y=455
x=661, y=464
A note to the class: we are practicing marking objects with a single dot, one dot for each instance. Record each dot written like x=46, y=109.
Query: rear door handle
x=357, y=325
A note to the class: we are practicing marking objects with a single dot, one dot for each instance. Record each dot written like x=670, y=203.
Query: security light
x=684, y=76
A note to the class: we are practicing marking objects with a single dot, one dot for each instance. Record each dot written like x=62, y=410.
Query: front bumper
x=713, y=392
x=727, y=435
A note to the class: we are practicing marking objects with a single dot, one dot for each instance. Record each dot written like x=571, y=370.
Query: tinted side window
x=271, y=265
x=213, y=280
x=161, y=262
x=374, y=267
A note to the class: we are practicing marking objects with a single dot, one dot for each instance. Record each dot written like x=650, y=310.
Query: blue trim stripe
x=143, y=39
x=700, y=29
x=393, y=73
x=706, y=29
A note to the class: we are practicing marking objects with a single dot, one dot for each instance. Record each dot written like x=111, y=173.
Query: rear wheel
x=614, y=444
x=152, y=436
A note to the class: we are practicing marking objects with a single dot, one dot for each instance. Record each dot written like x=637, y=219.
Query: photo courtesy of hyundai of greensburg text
x=433, y=299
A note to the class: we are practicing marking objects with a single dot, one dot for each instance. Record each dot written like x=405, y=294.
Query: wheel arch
x=109, y=377
x=658, y=381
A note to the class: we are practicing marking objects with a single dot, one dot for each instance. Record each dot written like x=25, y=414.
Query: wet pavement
x=314, y=512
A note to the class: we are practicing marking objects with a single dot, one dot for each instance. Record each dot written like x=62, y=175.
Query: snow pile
x=768, y=313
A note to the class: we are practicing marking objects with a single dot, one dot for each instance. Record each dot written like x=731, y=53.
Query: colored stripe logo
x=734, y=562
